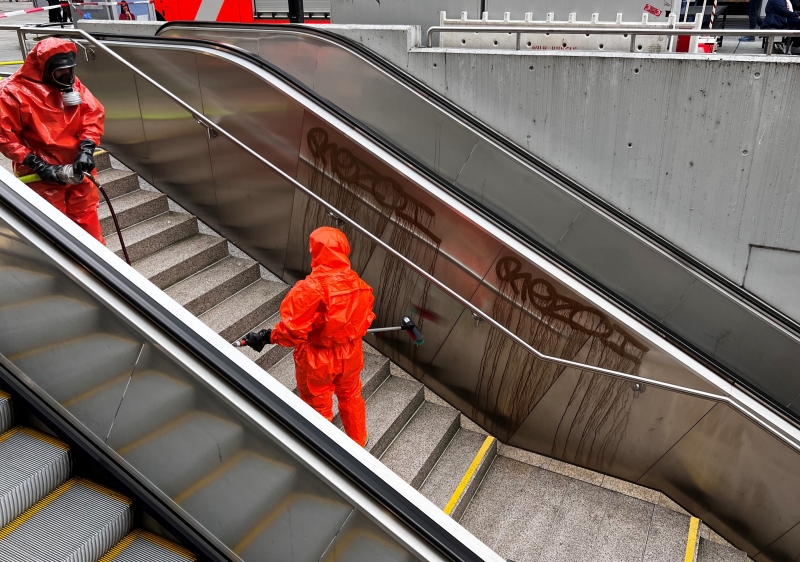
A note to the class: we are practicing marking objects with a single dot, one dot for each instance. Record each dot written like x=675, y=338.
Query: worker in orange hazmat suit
x=324, y=317
x=47, y=119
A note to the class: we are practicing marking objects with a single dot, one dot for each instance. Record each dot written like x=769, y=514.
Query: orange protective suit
x=33, y=120
x=324, y=317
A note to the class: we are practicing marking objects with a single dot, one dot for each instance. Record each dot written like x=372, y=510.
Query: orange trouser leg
x=81, y=202
x=352, y=408
x=320, y=396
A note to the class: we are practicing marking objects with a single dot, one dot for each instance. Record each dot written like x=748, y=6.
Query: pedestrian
x=754, y=14
x=49, y=119
x=125, y=12
x=324, y=317
x=781, y=15
x=55, y=15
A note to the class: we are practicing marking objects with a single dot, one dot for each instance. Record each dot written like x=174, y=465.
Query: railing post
x=770, y=45
x=633, y=43
x=296, y=14
x=519, y=35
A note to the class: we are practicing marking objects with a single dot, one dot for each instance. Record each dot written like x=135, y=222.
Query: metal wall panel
x=631, y=10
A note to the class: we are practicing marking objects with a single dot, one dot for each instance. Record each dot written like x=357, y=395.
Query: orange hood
x=33, y=68
x=329, y=249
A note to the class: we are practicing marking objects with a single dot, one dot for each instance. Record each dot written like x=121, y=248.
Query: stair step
x=32, y=465
x=206, y=289
x=271, y=353
x=421, y=443
x=247, y=488
x=141, y=546
x=117, y=182
x=34, y=324
x=276, y=533
x=23, y=285
x=151, y=400
x=389, y=409
x=102, y=160
x=69, y=369
x=132, y=208
x=238, y=314
x=153, y=235
x=375, y=371
x=710, y=551
x=451, y=467
x=6, y=411
x=183, y=451
x=177, y=262
x=79, y=521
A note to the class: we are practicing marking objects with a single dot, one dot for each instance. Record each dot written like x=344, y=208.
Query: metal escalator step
x=32, y=465
x=6, y=411
x=78, y=522
x=184, y=450
x=141, y=546
x=20, y=285
x=30, y=325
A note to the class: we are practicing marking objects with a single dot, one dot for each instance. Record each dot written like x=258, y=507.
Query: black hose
x=113, y=215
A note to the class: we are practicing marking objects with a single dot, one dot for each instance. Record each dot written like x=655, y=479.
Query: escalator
x=679, y=431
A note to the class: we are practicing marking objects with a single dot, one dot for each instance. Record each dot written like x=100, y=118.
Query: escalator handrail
x=479, y=314
x=682, y=258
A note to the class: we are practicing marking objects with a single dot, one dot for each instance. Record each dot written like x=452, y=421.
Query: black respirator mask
x=59, y=71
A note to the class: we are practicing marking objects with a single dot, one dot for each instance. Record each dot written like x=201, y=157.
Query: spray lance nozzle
x=407, y=325
x=67, y=174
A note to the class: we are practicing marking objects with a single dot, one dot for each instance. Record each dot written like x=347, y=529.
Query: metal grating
x=31, y=466
x=78, y=522
x=141, y=546
x=268, y=7
x=6, y=412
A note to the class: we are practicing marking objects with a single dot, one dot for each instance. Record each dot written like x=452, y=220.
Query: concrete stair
x=526, y=507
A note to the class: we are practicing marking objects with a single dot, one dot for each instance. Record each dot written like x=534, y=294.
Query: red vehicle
x=247, y=11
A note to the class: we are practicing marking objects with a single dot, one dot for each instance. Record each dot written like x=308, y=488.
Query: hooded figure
x=47, y=119
x=324, y=317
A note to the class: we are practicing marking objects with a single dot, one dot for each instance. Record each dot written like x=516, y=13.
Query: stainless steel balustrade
x=688, y=446
x=770, y=34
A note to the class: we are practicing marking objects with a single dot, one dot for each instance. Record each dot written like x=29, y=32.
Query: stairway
x=47, y=515
x=526, y=507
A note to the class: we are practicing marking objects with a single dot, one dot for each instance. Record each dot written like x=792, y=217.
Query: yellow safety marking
x=168, y=545
x=105, y=491
x=44, y=502
x=100, y=152
x=462, y=486
x=117, y=549
x=11, y=62
x=5, y=395
x=44, y=437
x=9, y=433
x=691, y=541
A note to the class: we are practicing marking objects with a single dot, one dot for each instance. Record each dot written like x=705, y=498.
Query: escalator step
x=141, y=546
x=32, y=465
x=6, y=412
x=79, y=521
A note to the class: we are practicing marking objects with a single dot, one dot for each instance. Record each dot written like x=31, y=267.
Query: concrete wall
x=703, y=150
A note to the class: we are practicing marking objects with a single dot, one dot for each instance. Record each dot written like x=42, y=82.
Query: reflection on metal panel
x=362, y=541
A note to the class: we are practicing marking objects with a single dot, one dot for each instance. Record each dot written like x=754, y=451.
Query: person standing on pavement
x=49, y=119
x=324, y=317
x=125, y=12
x=754, y=13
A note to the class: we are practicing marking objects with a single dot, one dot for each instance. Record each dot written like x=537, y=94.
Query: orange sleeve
x=300, y=310
x=10, y=129
x=94, y=117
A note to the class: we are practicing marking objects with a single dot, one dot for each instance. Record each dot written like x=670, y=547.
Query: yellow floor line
x=462, y=486
x=11, y=62
x=691, y=541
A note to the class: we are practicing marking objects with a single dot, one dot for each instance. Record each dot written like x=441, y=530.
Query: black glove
x=84, y=161
x=46, y=171
x=257, y=340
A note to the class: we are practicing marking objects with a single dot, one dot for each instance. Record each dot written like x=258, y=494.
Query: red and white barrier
x=31, y=10
x=115, y=3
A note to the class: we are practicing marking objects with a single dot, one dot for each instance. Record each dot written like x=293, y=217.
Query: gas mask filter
x=59, y=71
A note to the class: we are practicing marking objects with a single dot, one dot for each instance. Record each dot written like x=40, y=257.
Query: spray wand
x=66, y=174
x=406, y=324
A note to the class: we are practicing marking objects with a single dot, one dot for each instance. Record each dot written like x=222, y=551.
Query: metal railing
x=638, y=383
x=631, y=32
